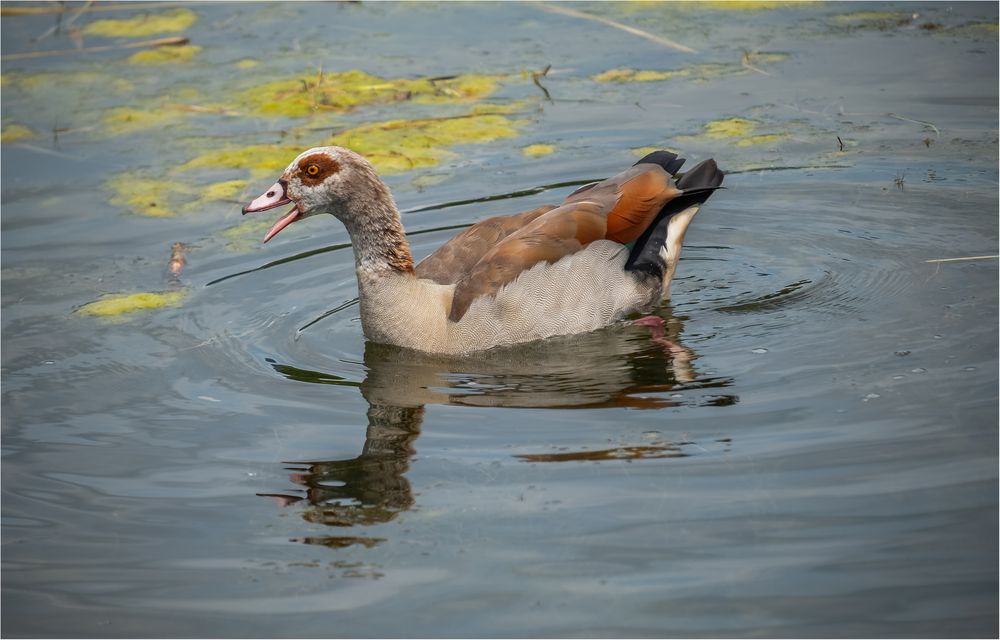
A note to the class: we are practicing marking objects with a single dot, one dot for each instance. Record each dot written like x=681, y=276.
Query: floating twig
x=60, y=7
x=43, y=150
x=745, y=63
x=841, y=143
x=963, y=259
x=60, y=25
x=195, y=108
x=937, y=132
x=174, y=41
x=535, y=75
x=566, y=11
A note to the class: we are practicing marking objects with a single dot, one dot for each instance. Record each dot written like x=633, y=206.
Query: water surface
x=808, y=448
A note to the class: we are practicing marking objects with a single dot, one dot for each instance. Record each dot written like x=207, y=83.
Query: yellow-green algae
x=258, y=159
x=142, y=26
x=165, y=55
x=764, y=138
x=122, y=303
x=146, y=196
x=974, y=30
x=397, y=146
x=740, y=131
x=428, y=180
x=637, y=75
x=158, y=198
x=226, y=190
x=247, y=63
x=46, y=80
x=125, y=120
x=705, y=71
x=729, y=128
x=393, y=146
x=345, y=90
x=538, y=150
x=16, y=133
x=247, y=235
x=491, y=108
x=872, y=19
x=747, y=5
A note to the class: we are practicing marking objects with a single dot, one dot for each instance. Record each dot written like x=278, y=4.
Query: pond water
x=809, y=450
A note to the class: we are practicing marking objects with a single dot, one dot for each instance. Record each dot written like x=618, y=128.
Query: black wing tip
x=697, y=184
x=705, y=175
x=666, y=159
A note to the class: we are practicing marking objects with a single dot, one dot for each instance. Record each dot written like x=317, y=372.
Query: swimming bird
x=608, y=251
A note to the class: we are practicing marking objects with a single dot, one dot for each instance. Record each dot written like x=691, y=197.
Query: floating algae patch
x=125, y=120
x=397, y=146
x=97, y=82
x=142, y=26
x=538, y=150
x=507, y=108
x=729, y=128
x=258, y=159
x=346, y=90
x=119, y=304
x=705, y=71
x=747, y=5
x=428, y=180
x=226, y=190
x=394, y=146
x=145, y=196
x=247, y=63
x=16, y=133
x=632, y=75
x=463, y=88
x=881, y=20
x=249, y=233
x=165, y=55
x=740, y=131
x=764, y=138
x=156, y=198
x=974, y=30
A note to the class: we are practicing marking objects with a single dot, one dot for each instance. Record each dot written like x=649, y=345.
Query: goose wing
x=618, y=209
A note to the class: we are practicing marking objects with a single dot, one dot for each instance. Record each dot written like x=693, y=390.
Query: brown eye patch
x=317, y=168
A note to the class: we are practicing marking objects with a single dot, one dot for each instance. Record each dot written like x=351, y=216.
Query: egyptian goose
x=608, y=251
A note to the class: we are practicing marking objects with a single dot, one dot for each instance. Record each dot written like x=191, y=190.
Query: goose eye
x=312, y=170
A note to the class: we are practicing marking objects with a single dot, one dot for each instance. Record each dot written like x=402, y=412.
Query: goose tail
x=657, y=250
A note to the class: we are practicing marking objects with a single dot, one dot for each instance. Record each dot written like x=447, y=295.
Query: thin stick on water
x=60, y=24
x=963, y=259
x=745, y=63
x=937, y=132
x=535, y=77
x=18, y=9
x=158, y=42
x=45, y=151
x=566, y=11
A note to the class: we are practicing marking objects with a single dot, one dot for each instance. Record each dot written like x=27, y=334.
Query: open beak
x=276, y=196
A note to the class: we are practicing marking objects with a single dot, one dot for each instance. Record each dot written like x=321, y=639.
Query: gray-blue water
x=810, y=450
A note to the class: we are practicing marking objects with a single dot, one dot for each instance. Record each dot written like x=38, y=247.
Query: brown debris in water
x=177, y=259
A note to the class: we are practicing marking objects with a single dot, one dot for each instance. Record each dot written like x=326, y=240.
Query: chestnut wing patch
x=619, y=209
x=633, y=198
x=452, y=261
x=548, y=238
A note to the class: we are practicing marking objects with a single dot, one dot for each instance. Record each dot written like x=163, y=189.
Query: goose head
x=330, y=180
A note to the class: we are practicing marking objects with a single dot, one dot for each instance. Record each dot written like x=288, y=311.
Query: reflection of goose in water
x=640, y=367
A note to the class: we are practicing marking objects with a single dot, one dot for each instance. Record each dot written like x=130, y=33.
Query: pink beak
x=274, y=197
